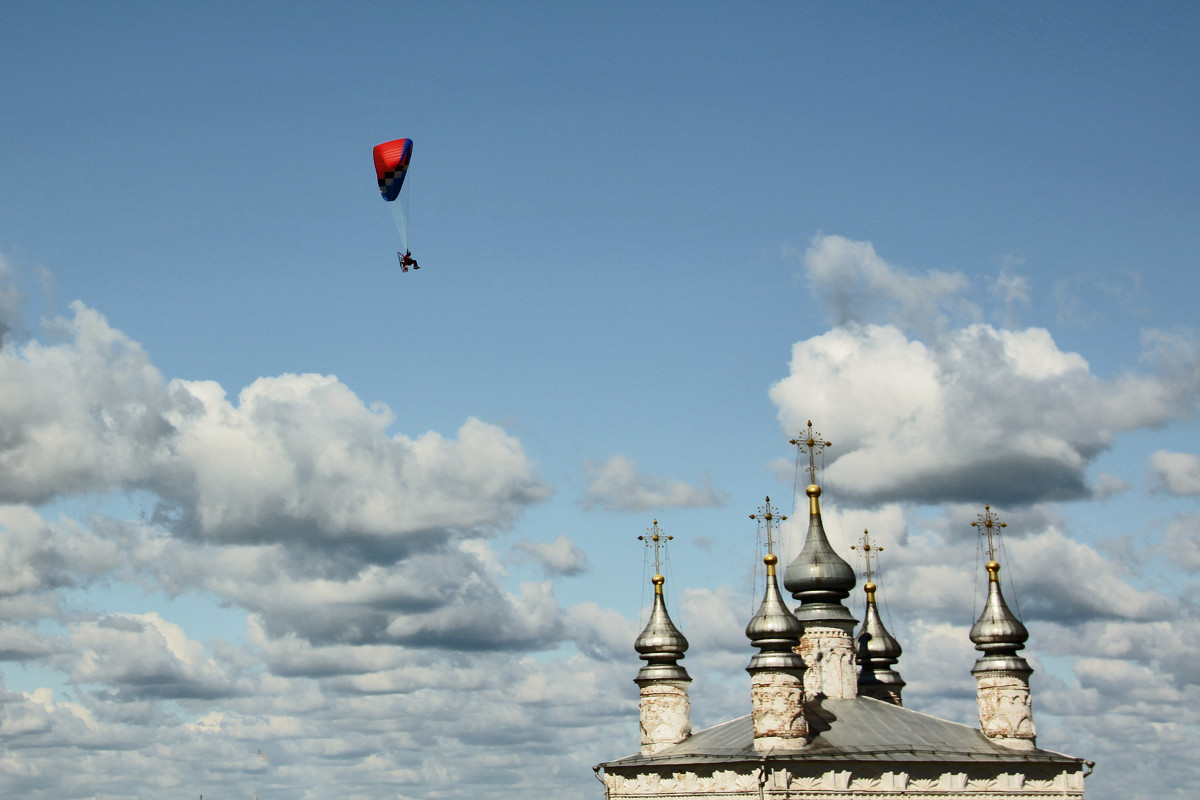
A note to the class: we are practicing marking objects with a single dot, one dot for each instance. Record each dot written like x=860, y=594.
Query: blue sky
x=259, y=490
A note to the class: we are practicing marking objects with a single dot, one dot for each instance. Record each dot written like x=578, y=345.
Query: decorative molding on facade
x=750, y=783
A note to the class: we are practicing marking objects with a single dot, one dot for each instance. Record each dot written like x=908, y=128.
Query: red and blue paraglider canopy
x=391, y=165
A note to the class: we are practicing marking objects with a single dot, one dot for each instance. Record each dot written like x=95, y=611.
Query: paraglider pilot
x=406, y=261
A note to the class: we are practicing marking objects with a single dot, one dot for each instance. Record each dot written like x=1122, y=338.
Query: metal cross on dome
x=655, y=538
x=808, y=440
x=991, y=524
x=867, y=548
x=766, y=516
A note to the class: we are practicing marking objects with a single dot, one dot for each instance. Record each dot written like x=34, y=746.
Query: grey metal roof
x=854, y=729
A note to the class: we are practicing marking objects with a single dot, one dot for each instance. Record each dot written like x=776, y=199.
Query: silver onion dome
x=874, y=640
x=660, y=644
x=818, y=577
x=998, y=634
x=774, y=630
x=878, y=650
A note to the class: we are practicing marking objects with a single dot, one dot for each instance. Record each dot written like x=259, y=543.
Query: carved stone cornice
x=748, y=782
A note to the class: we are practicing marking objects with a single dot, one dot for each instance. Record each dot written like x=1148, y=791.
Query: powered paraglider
x=391, y=167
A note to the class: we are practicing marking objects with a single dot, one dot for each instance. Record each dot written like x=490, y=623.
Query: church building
x=827, y=718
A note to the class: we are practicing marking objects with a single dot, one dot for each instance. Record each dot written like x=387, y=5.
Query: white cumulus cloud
x=1175, y=473
x=616, y=485
x=860, y=286
x=934, y=419
x=297, y=457
x=560, y=557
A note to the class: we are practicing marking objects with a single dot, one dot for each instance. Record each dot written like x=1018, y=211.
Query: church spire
x=878, y=650
x=664, y=707
x=818, y=577
x=1002, y=675
x=776, y=671
x=821, y=579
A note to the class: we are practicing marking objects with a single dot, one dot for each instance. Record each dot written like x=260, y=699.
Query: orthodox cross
x=766, y=516
x=655, y=537
x=991, y=525
x=867, y=548
x=811, y=442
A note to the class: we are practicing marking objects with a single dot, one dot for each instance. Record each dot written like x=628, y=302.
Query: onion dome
x=660, y=644
x=878, y=650
x=818, y=577
x=774, y=630
x=998, y=633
